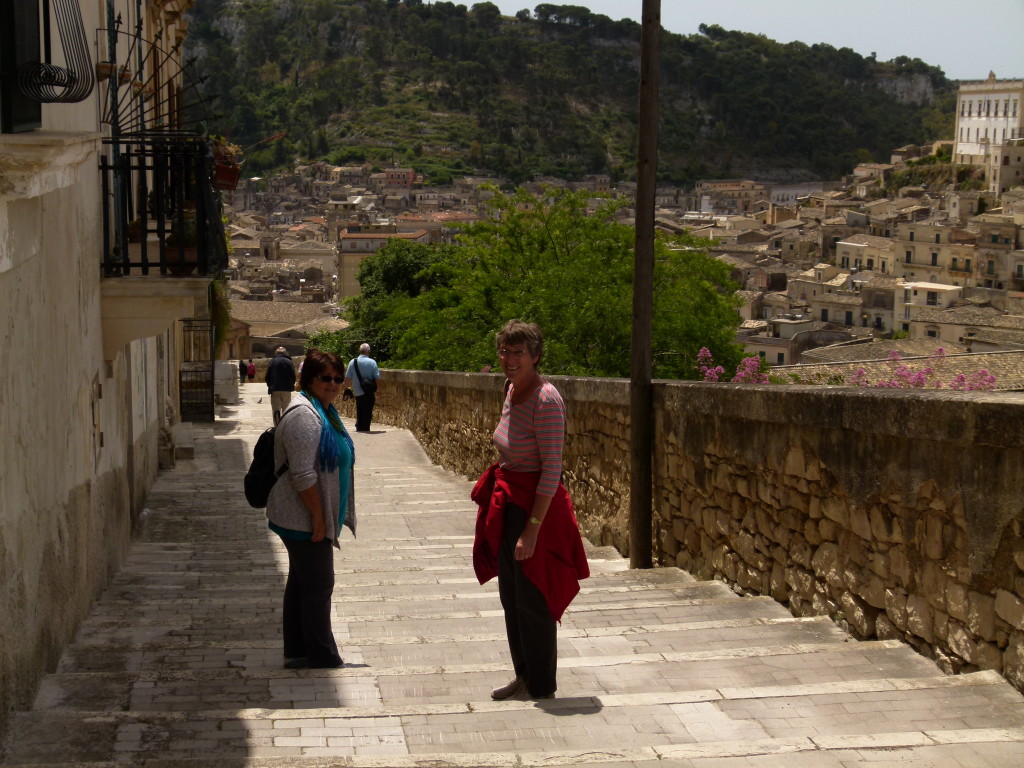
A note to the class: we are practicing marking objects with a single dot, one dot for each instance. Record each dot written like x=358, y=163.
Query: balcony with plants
x=162, y=211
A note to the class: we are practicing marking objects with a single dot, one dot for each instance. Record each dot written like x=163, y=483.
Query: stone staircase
x=179, y=663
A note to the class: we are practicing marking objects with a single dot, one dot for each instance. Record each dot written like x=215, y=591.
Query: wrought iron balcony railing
x=160, y=207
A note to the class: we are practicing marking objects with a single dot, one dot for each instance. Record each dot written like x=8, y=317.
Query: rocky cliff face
x=909, y=89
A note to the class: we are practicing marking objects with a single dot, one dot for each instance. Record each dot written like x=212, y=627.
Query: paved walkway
x=179, y=663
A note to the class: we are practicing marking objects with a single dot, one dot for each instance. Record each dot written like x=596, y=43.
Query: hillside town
x=831, y=273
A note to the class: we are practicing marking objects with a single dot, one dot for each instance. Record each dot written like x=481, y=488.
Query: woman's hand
x=527, y=543
x=311, y=498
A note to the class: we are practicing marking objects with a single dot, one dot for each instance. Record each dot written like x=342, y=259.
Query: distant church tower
x=270, y=246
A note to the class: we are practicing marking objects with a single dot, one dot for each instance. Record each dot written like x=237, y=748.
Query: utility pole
x=640, y=390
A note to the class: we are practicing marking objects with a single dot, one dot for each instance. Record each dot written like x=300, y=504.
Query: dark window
x=938, y=238
x=911, y=236
x=932, y=334
x=849, y=318
x=935, y=259
x=19, y=43
x=782, y=358
x=824, y=315
x=908, y=257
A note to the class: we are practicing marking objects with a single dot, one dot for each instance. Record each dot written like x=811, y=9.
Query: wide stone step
x=204, y=678
x=873, y=711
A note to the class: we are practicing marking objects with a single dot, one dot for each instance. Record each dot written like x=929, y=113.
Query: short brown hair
x=317, y=362
x=519, y=332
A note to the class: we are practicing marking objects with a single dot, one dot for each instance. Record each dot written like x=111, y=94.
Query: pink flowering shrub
x=748, y=371
x=706, y=365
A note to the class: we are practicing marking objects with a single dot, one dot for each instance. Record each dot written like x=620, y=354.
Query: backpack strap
x=284, y=467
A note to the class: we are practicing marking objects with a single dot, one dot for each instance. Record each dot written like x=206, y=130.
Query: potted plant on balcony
x=134, y=231
x=227, y=162
x=182, y=252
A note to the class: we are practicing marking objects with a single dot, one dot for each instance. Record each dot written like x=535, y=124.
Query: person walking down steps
x=362, y=375
x=280, y=382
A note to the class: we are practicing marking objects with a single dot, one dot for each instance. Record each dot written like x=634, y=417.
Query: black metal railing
x=196, y=379
x=160, y=207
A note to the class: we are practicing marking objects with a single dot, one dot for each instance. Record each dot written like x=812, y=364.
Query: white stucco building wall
x=80, y=415
x=988, y=113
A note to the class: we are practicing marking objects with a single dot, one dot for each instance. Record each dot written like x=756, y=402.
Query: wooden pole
x=641, y=412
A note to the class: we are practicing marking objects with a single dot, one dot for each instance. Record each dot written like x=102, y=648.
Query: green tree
x=553, y=262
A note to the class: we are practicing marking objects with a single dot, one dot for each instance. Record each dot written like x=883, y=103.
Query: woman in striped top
x=538, y=564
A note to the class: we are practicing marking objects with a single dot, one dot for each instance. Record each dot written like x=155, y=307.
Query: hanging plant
x=227, y=162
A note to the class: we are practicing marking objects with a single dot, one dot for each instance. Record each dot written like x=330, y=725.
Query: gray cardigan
x=297, y=441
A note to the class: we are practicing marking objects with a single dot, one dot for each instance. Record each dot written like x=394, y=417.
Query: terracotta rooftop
x=291, y=312
x=1007, y=367
x=878, y=350
x=968, y=315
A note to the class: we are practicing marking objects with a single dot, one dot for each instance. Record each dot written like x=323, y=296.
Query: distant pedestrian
x=526, y=530
x=362, y=375
x=250, y=371
x=280, y=382
x=243, y=370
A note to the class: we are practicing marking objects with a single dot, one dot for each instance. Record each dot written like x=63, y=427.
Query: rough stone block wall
x=896, y=513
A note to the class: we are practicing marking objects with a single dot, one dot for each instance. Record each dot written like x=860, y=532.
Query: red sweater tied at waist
x=559, y=562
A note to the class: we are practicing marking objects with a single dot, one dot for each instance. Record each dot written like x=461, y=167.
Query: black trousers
x=364, y=411
x=307, y=603
x=528, y=623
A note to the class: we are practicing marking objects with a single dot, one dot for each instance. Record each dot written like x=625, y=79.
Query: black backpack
x=262, y=475
x=369, y=385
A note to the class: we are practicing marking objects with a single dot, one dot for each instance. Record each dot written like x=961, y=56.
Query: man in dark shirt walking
x=280, y=382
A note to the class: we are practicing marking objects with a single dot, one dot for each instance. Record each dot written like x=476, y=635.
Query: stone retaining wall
x=899, y=514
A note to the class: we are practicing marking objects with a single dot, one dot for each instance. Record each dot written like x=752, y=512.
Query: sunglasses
x=328, y=379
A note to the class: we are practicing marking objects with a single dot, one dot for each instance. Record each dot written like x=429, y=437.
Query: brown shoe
x=508, y=691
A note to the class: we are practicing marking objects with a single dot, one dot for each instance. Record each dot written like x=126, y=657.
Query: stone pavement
x=179, y=663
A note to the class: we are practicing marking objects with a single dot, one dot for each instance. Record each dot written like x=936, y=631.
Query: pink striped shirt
x=530, y=436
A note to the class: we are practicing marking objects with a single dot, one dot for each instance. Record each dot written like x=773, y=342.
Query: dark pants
x=528, y=622
x=364, y=410
x=307, y=603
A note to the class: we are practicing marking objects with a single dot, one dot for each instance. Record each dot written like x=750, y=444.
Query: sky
x=965, y=40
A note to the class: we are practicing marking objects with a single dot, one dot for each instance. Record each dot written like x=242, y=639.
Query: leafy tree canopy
x=561, y=262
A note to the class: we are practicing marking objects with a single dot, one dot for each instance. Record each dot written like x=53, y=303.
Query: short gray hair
x=364, y=349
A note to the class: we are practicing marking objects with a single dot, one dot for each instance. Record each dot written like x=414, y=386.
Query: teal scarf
x=335, y=444
x=331, y=439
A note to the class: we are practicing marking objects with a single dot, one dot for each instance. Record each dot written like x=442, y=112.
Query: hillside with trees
x=452, y=90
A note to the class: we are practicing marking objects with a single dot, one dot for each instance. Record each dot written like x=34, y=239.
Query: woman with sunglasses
x=307, y=507
x=526, y=531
